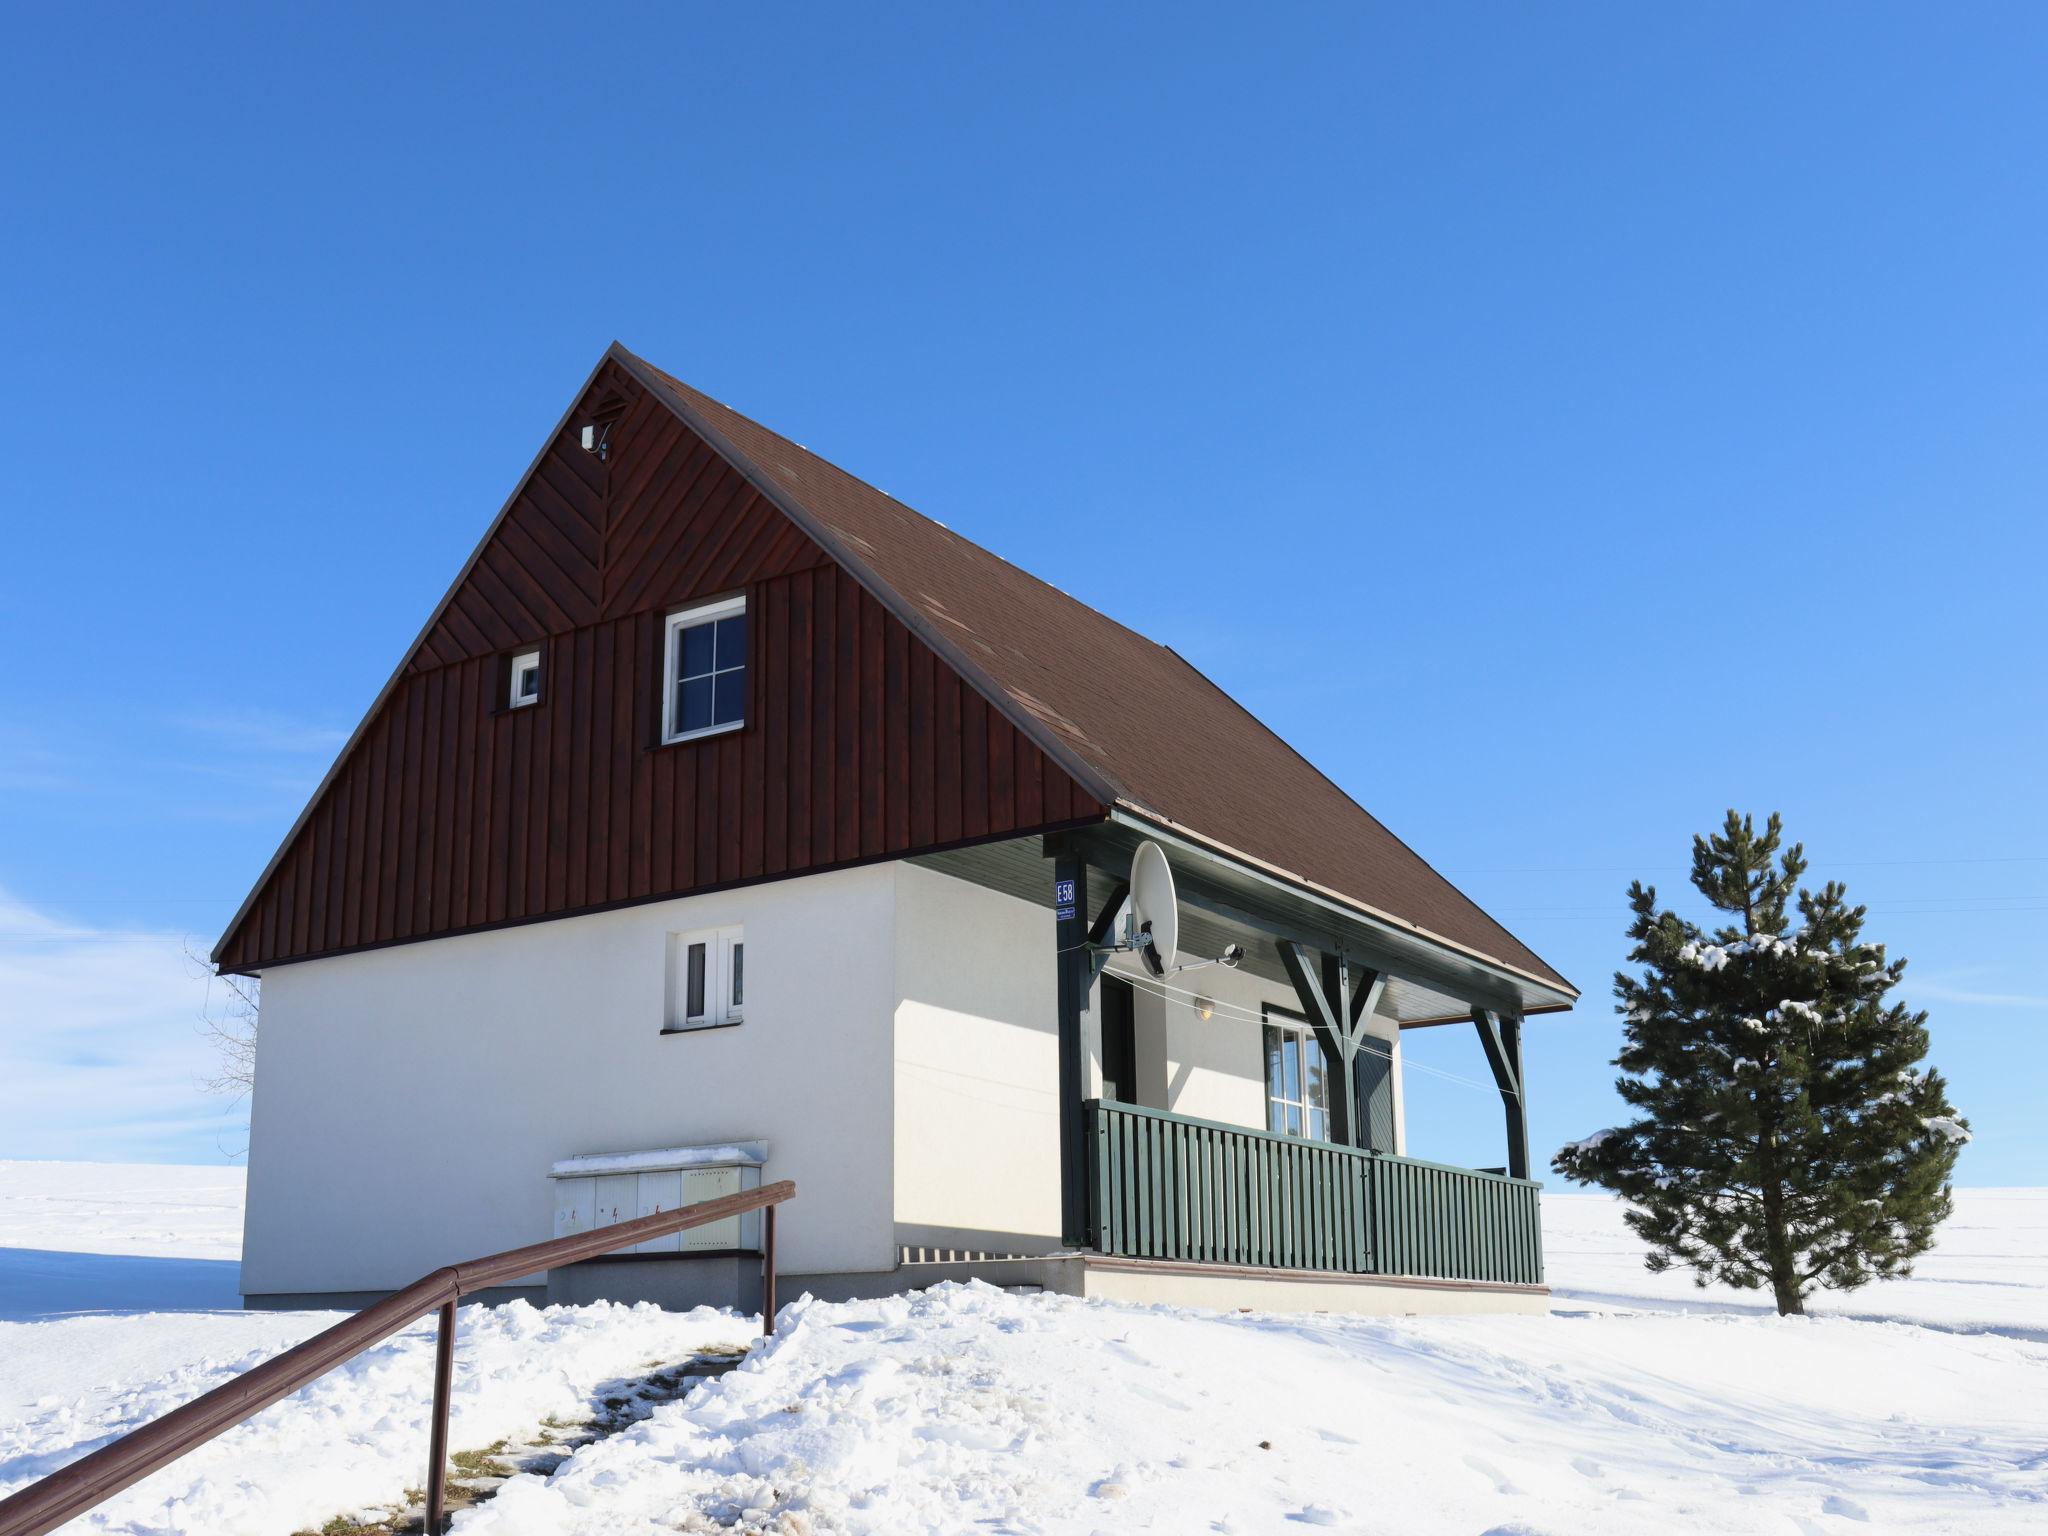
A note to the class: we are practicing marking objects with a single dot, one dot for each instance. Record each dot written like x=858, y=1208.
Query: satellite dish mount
x=1152, y=920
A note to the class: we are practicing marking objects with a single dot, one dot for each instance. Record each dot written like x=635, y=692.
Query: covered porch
x=1308, y=1182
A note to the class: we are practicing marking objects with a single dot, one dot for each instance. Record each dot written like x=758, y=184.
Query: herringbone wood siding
x=449, y=813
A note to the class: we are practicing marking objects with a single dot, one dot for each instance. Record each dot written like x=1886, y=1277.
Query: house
x=730, y=820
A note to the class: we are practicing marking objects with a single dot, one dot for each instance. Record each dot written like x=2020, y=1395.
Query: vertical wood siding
x=449, y=813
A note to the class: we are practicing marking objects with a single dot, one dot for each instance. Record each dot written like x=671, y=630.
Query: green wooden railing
x=1168, y=1187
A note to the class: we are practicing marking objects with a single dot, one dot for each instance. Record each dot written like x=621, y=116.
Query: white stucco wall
x=977, y=1058
x=976, y=1063
x=899, y=1056
x=1214, y=1068
x=410, y=1100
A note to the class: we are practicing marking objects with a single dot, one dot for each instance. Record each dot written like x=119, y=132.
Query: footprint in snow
x=1493, y=1475
x=1847, y=1509
x=1164, y=1400
x=1586, y=1466
x=1315, y=1514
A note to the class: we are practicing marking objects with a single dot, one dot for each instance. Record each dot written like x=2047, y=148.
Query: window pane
x=693, y=993
x=1272, y=1064
x=1317, y=1074
x=693, y=704
x=1318, y=1125
x=732, y=642
x=1294, y=1119
x=731, y=703
x=1290, y=1067
x=1276, y=1117
x=529, y=682
x=696, y=651
x=739, y=975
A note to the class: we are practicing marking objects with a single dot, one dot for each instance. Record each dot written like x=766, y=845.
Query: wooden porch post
x=1500, y=1037
x=1339, y=1005
x=1372, y=1066
x=1070, y=929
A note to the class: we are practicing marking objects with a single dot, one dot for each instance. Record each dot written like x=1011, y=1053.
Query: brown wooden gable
x=447, y=813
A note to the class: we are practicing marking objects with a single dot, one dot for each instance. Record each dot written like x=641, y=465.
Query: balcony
x=1167, y=1187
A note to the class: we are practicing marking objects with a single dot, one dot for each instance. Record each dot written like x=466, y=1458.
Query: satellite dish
x=1155, y=911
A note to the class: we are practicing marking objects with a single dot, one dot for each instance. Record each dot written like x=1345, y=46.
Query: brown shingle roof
x=1123, y=708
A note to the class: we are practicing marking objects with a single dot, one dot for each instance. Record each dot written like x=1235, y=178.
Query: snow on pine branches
x=1787, y=1137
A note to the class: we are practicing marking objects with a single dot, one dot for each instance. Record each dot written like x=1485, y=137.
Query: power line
x=1659, y=863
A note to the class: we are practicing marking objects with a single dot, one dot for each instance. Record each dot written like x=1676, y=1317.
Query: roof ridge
x=946, y=528
x=837, y=506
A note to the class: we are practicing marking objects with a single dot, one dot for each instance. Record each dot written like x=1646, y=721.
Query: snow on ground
x=969, y=1409
x=79, y=1241
x=93, y=1237
x=1641, y=1404
x=1988, y=1271
x=356, y=1439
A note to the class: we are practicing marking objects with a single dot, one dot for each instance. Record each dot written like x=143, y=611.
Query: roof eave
x=383, y=693
x=1072, y=763
x=1541, y=993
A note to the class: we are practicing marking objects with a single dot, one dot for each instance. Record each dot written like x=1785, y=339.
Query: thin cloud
x=1935, y=992
x=265, y=731
x=29, y=765
x=128, y=1002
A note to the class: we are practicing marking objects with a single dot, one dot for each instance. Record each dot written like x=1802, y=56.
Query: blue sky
x=1561, y=422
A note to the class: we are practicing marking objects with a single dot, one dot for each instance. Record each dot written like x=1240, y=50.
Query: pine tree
x=1788, y=1136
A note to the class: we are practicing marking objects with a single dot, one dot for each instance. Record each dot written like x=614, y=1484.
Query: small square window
x=706, y=979
x=704, y=670
x=523, y=686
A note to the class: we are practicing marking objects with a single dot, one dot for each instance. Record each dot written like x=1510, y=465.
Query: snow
x=1987, y=1273
x=1640, y=1404
x=354, y=1440
x=72, y=1376
x=1593, y=1142
x=967, y=1408
x=83, y=1237
x=660, y=1160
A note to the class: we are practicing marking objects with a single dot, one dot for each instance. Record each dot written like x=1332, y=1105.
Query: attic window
x=704, y=671
x=523, y=685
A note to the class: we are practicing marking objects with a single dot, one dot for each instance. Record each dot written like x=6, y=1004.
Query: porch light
x=1205, y=1007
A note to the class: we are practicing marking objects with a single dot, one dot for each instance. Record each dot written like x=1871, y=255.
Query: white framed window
x=704, y=671
x=1297, y=1079
x=707, y=979
x=523, y=680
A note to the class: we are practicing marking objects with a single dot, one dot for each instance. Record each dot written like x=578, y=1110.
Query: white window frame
x=671, y=658
x=724, y=963
x=521, y=660
x=1285, y=1022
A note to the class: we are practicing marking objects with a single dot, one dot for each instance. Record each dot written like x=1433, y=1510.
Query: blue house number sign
x=1063, y=899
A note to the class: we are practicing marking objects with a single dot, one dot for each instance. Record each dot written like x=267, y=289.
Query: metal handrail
x=71, y=1491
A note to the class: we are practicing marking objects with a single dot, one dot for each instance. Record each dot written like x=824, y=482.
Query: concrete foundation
x=678, y=1284
x=734, y=1280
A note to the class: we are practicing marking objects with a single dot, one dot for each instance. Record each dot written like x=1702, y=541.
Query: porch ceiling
x=1224, y=904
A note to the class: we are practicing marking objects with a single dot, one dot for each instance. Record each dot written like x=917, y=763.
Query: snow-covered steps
x=349, y=1445
x=476, y=1474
